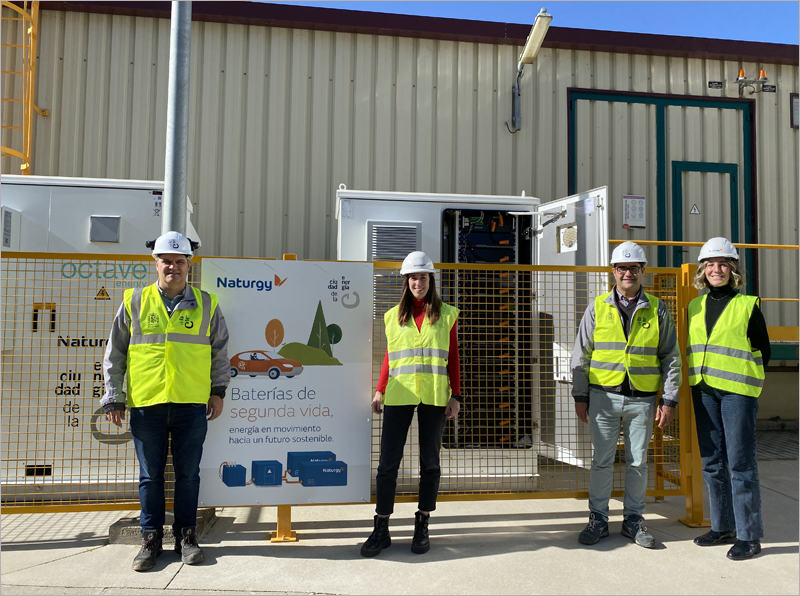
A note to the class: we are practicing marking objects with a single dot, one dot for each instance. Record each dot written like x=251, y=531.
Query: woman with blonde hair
x=727, y=352
x=420, y=373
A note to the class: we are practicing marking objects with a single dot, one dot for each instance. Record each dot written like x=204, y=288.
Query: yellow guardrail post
x=691, y=465
x=284, y=533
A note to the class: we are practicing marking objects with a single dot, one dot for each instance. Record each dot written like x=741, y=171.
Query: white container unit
x=386, y=226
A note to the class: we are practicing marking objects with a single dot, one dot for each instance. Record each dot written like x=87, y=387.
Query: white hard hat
x=718, y=247
x=171, y=243
x=628, y=252
x=417, y=262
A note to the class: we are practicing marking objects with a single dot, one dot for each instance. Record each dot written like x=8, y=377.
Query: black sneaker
x=186, y=546
x=633, y=527
x=145, y=560
x=596, y=529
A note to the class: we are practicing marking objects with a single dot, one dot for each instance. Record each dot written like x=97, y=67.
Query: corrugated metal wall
x=279, y=117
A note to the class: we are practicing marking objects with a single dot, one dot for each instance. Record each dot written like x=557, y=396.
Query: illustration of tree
x=334, y=334
x=319, y=333
x=274, y=333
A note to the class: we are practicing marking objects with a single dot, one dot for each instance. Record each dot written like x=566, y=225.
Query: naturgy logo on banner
x=255, y=284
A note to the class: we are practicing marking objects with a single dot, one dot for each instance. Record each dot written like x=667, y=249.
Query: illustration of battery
x=295, y=458
x=267, y=473
x=330, y=473
x=234, y=475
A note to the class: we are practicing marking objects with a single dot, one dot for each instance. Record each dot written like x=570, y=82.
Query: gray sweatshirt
x=115, y=362
x=668, y=354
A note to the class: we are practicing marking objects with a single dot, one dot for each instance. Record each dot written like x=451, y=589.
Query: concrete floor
x=478, y=547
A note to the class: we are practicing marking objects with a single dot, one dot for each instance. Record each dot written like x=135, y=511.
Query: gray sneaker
x=596, y=529
x=633, y=527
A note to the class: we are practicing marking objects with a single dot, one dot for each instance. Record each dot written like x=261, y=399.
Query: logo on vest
x=153, y=320
x=609, y=317
x=186, y=321
x=641, y=320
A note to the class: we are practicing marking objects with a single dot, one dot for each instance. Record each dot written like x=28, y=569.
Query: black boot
x=420, y=544
x=145, y=560
x=186, y=546
x=379, y=539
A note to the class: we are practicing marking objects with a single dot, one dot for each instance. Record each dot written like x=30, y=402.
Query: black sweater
x=716, y=302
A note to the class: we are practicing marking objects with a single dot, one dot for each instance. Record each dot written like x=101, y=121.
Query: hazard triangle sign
x=102, y=294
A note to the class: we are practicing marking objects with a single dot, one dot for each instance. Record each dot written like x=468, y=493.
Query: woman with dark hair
x=420, y=372
x=727, y=352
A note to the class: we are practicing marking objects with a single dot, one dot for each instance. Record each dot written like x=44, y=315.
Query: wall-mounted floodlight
x=528, y=55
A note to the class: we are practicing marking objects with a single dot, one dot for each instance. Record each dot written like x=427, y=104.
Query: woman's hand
x=376, y=403
x=453, y=407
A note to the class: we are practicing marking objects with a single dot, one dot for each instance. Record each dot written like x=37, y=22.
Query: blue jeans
x=726, y=432
x=396, y=421
x=607, y=413
x=151, y=426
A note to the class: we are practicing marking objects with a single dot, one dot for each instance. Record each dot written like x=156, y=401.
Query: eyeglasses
x=632, y=270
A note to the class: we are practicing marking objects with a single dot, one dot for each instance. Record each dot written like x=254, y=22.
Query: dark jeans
x=726, y=432
x=151, y=426
x=396, y=422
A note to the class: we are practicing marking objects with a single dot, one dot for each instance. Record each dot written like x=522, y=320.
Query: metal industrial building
x=288, y=102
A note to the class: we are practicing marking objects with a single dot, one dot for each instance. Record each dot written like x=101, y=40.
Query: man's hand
x=582, y=410
x=453, y=408
x=116, y=417
x=214, y=407
x=664, y=415
x=376, y=403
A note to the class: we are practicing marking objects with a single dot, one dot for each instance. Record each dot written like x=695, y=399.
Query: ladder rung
x=11, y=45
x=5, y=99
x=13, y=19
x=11, y=127
x=11, y=72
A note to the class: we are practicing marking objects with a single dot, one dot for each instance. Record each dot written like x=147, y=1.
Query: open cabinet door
x=572, y=231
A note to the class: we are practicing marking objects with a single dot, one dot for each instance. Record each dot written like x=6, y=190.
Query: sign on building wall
x=296, y=421
x=634, y=212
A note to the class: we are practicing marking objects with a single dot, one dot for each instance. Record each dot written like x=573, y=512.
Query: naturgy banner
x=296, y=421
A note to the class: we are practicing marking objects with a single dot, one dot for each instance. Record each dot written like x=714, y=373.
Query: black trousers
x=396, y=422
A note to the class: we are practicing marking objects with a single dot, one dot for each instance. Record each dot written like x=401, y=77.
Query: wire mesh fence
x=516, y=435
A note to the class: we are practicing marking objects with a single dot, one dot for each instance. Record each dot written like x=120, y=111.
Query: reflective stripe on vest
x=726, y=360
x=613, y=356
x=169, y=358
x=418, y=359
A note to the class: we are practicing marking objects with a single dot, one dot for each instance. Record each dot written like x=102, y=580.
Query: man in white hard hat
x=170, y=339
x=625, y=352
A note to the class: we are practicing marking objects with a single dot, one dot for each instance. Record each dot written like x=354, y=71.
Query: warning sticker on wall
x=695, y=210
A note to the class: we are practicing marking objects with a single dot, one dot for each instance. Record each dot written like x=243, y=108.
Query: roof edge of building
x=376, y=23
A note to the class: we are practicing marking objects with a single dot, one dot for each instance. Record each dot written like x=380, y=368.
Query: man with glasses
x=625, y=352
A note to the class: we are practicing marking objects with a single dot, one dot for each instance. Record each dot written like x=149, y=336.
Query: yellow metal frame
x=676, y=453
x=29, y=18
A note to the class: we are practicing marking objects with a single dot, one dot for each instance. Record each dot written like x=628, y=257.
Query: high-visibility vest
x=726, y=360
x=418, y=359
x=169, y=358
x=613, y=355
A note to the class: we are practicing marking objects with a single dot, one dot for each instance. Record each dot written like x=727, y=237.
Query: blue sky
x=773, y=22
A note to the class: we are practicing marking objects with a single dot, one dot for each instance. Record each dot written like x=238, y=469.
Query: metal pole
x=176, y=162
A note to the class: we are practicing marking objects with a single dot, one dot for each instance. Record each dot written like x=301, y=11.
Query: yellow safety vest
x=726, y=360
x=169, y=358
x=614, y=356
x=418, y=359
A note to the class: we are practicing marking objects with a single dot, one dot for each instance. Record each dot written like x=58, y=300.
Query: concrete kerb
x=126, y=530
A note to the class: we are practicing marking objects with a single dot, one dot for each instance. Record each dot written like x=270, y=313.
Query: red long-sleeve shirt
x=453, y=364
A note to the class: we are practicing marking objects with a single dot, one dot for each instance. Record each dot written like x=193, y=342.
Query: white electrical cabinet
x=82, y=215
x=520, y=398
